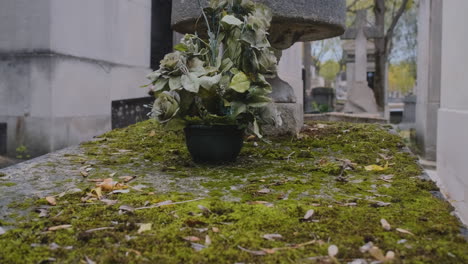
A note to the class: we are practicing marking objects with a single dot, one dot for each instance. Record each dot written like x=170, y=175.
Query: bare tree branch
x=349, y=8
x=396, y=18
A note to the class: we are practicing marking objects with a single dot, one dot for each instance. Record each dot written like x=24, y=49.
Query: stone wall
x=62, y=63
x=452, y=139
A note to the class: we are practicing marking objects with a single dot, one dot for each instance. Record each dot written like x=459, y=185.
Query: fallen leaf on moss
x=366, y=247
x=60, y=227
x=376, y=253
x=203, y=209
x=89, y=261
x=144, y=228
x=51, y=200
x=374, y=168
x=386, y=178
x=215, y=229
x=43, y=212
x=404, y=231
x=127, y=178
x=207, y=240
x=253, y=252
x=385, y=224
x=152, y=133
x=267, y=204
x=390, y=256
x=191, y=238
x=98, y=192
x=109, y=202
x=264, y=191
x=99, y=229
x=309, y=214
x=272, y=237
x=112, y=174
x=84, y=174
x=197, y=247
x=332, y=251
x=126, y=208
x=108, y=184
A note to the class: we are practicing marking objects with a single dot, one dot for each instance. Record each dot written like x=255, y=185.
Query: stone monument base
x=290, y=120
x=361, y=99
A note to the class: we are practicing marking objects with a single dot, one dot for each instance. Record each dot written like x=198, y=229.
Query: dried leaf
x=203, y=209
x=109, y=202
x=374, y=168
x=386, y=178
x=120, y=191
x=43, y=212
x=191, y=238
x=366, y=247
x=377, y=253
x=267, y=204
x=215, y=229
x=253, y=252
x=207, y=240
x=381, y=204
x=152, y=133
x=98, y=192
x=309, y=214
x=51, y=200
x=404, y=231
x=112, y=174
x=332, y=251
x=390, y=256
x=385, y=224
x=84, y=174
x=197, y=247
x=60, y=227
x=144, y=228
x=127, y=178
x=126, y=208
x=108, y=184
x=89, y=261
x=264, y=191
x=99, y=229
x=272, y=237
x=95, y=180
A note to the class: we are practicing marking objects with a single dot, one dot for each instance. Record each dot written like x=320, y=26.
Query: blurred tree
x=328, y=70
x=401, y=77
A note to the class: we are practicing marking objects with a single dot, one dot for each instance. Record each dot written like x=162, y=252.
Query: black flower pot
x=214, y=144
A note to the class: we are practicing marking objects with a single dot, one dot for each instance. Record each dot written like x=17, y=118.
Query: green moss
x=7, y=184
x=299, y=174
x=2, y=174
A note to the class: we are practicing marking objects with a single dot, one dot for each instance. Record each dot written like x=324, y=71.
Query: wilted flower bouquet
x=218, y=76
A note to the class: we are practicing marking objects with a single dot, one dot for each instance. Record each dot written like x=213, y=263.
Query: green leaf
x=256, y=129
x=154, y=75
x=231, y=20
x=160, y=84
x=190, y=82
x=240, y=83
x=259, y=101
x=181, y=47
x=175, y=83
x=208, y=82
x=237, y=108
x=175, y=124
x=195, y=66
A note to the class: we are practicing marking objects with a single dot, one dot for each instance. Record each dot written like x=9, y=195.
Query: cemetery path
x=338, y=193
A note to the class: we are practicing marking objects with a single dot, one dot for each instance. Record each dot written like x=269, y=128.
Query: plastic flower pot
x=214, y=144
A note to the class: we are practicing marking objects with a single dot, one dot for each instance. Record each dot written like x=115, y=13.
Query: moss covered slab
x=288, y=200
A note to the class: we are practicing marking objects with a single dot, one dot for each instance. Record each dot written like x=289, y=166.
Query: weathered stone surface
x=293, y=21
x=282, y=91
x=292, y=120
